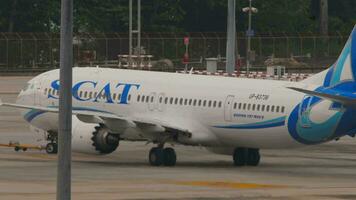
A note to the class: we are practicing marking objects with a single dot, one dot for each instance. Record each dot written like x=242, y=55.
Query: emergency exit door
x=228, y=107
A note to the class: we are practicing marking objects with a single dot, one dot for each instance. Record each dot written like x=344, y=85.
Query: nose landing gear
x=52, y=147
x=162, y=156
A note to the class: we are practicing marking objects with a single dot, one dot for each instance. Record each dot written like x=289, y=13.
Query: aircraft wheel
x=240, y=156
x=253, y=157
x=17, y=148
x=51, y=148
x=156, y=156
x=169, y=157
x=24, y=149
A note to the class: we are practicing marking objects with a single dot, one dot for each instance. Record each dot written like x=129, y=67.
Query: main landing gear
x=52, y=147
x=246, y=156
x=162, y=156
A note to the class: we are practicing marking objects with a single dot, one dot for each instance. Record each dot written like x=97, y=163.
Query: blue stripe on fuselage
x=259, y=125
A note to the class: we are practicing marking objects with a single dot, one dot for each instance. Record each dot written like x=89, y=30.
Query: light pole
x=231, y=37
x=65, y=103
x=249, y=33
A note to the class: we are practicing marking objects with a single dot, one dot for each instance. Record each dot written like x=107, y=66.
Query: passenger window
x=214, y=104
x=152, y=97
x=283, y=109
x=258, y=107
x=181, y=101
x=253, y=107
x=209, y=104
x=129, y=98
x=114, y=97
x=267, y=108
x=147, y=99
x=185, y=102
x=80, y=93
x=190, y=101
x=160, y=99
x=220, y=104
x=138, y=97
x=272, y=109
x=249, y=107
x=50, y=91
x=143, y=98
x=199, y=102
x=166, y=100
x=45, y=91
x=204, y=103
x=194, y=102
x=240, y=105
x=176, y=101
x=119, y=98
x=244, y=106
x=171, y=100
x=85, y=94
x=277, y=109
x=235, y=105
x=90, y=95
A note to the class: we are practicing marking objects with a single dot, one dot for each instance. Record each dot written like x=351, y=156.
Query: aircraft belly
x=270, y=138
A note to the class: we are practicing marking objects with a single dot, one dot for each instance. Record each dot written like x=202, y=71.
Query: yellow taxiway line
x=228, y=185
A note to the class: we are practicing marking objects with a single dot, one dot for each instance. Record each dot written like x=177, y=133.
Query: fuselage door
x=37, y=92
x=161, y=102
x=228, y=107
x=152, y=101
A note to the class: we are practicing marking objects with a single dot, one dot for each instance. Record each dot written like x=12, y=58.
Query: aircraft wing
x=115, y=123
x=332, y=95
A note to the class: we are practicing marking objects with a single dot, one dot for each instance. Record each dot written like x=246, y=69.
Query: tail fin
x=343, y=70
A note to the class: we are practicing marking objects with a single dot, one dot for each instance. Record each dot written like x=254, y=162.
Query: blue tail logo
x=336, y=120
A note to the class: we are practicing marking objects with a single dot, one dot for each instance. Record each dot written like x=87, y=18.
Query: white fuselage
x=220, y=111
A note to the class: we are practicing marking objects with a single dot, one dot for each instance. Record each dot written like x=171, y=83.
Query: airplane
x=229, y=116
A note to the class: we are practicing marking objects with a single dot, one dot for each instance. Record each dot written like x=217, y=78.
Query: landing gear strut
x=162, y=156
x=52, y=147
x=246, y=156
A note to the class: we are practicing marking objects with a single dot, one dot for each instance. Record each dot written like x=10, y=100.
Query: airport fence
x=37, y=52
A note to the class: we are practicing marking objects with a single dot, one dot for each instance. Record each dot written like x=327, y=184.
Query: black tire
x=17, y=148
x=24, y=149
x=51, y=148
x=253, y=157
x=169, y=157
x=155, y=156
x=240, y=156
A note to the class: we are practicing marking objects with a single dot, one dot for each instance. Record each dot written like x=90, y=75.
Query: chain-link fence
x=35, y=52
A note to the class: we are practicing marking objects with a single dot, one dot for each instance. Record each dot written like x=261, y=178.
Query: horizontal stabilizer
x=348, y=100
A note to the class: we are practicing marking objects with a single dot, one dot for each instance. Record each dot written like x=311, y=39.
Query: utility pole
x=250, y=33
x=130, y=29
x=324, y=17
x=231, y=37
x=137, y=31
x=139, y=27
x=65, y=103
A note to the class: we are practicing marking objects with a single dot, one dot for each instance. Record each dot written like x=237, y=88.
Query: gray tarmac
x=326, y=171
